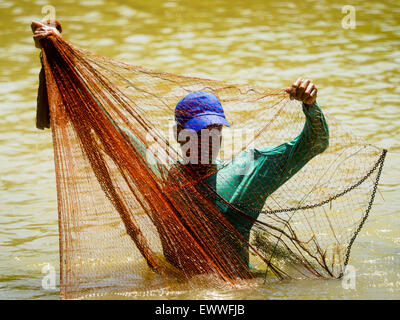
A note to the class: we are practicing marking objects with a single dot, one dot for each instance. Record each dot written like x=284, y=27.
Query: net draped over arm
x=273, y=166
x=288, y=158
x=149, y=157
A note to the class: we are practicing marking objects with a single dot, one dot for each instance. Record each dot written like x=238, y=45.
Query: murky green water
x=269, y=43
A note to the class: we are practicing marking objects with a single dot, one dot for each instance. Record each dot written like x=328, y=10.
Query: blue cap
x=198, y=110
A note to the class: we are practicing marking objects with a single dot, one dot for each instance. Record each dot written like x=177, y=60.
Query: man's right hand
x=41, y=31
x=303, y=90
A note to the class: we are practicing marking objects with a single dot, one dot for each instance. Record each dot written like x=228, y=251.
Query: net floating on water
x=130, y=225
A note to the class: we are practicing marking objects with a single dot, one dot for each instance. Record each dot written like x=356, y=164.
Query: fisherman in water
x=202, y=113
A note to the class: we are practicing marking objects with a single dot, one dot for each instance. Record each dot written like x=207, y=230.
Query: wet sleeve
x=42, y=109
x=279, y=164
x=257, y=173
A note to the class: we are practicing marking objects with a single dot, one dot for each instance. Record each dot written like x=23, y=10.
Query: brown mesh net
x=132, y=217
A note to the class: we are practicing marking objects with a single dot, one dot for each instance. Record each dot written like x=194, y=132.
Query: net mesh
x=132, y=217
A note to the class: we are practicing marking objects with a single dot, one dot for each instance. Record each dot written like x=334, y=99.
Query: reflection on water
x=257, y=41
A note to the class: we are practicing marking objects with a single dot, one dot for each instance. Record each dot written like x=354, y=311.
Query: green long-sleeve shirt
x=254, y=174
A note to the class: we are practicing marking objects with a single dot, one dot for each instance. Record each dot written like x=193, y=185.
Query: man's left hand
x=303, y=90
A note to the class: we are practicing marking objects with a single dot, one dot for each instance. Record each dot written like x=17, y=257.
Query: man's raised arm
x=285, y=160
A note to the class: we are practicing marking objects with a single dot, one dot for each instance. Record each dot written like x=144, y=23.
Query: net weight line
x=379, y=163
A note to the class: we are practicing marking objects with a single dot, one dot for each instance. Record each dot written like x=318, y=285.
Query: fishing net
x=133, y=218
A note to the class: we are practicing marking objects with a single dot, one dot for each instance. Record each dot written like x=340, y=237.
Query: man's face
x=200, y=147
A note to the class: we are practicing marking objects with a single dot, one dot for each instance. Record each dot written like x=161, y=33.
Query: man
x=266, y=169
x=199, y=120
